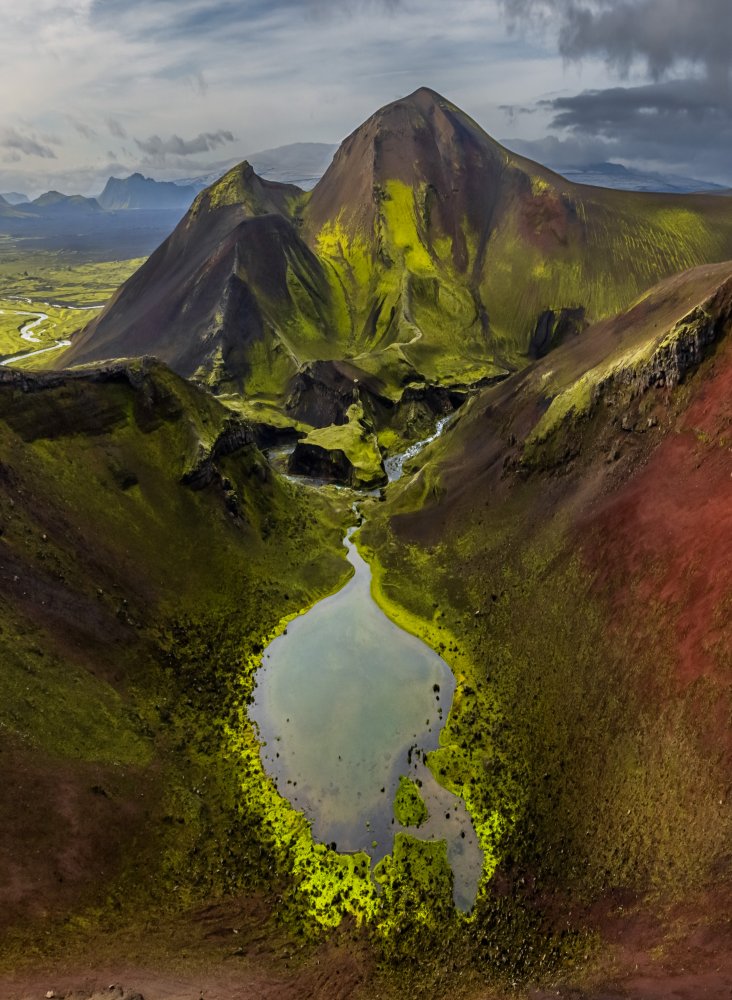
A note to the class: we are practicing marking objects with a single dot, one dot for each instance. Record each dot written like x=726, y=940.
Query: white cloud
x=265, y=71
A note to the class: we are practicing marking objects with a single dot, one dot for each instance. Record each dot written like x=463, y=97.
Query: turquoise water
x=345, y=703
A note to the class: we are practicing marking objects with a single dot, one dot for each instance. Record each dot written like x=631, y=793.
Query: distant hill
x=138, y=192
x=14, y=198
x=55, y=203
x=615, y=175
x=10, y=211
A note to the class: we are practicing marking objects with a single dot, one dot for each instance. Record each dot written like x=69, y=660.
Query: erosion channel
x=348, y=705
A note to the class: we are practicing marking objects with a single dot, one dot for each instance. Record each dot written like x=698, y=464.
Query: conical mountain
x=426, y=252
x=212, y=299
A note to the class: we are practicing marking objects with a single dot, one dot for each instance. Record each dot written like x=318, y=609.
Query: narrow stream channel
x=345, y=703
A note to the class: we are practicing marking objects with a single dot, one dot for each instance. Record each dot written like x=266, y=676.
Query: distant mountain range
x=615, y=175
x=50, y=205
x=301, y=164
x=14, y=197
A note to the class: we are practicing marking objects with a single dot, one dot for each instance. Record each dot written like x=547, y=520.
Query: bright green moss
x=409, y=806
x=356, y=440
x=417, y=908
x=401, y=226
x=231, y=189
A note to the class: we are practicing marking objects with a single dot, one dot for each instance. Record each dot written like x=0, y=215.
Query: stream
x=345, y=702
x=27, y=330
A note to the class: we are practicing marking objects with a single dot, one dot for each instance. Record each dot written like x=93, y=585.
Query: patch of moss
x=409, y=806
x=358, y=442
x=416, y=883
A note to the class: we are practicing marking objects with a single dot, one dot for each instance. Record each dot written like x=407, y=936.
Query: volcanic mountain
x=426, y=251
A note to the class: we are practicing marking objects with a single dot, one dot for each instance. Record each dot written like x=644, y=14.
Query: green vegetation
x=150, y=553
x=357, y=441
x=579, y=755
x=409, y=806
x=65, y=277
x=66, y=288
x=17, y=315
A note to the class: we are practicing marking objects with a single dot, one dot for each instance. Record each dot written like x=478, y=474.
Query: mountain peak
x=424, y=97
x=244, y=189
x=422, y=141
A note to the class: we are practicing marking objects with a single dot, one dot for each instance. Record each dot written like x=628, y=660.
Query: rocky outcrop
x=333, y=465
x=421, y=404
x=235, y=436
x=316, y=462
x=321, y=393
x=683, y=350
x=552, y=328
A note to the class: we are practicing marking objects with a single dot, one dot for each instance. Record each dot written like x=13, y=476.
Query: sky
x=178, y=88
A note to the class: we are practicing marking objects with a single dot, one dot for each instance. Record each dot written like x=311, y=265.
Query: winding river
x=27, y=331
x=346, y=702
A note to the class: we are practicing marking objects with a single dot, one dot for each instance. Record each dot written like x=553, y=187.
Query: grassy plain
x=67, y=287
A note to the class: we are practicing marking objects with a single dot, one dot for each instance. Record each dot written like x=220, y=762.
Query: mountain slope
x=580, y=574
x=137, y=518
x=431, y=252
x=222, y=292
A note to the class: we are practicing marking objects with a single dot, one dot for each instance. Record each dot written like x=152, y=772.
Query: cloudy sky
x=177, y=87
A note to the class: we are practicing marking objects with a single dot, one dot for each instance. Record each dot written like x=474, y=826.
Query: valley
x=65, y=288
x=367, y=552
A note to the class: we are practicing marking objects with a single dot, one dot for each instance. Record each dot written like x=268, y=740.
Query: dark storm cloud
x=17, y=143
x=574, y=151
x=175, y=146
x=662, y=33
x=681, y=118
x=684, y=124
x=654, y=116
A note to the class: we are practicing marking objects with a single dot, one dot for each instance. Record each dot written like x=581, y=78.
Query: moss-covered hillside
x=146, y=551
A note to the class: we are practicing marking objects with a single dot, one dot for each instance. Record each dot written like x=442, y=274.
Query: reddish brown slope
x=587, y=581
x=666, y=535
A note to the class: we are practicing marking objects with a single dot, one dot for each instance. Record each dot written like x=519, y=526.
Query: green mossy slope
x=409, y=807
x=146, y=551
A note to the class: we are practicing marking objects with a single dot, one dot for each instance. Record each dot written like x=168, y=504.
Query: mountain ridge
x=431, y=249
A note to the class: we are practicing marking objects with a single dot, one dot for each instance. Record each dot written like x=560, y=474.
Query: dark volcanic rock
x=321, y=463
x=552, y=328
x=235, y=435
x=330, y=464
x=322, y=391
x=690, y=342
